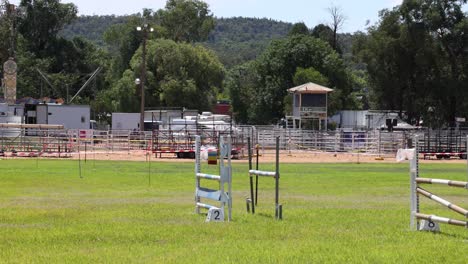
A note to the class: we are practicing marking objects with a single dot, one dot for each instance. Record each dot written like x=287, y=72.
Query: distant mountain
x=235, y=40
x=92, y=27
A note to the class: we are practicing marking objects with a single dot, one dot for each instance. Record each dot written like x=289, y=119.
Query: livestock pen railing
x=31, y=141
x=377, y=142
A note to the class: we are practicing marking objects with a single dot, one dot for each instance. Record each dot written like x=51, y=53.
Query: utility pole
x=145, y=29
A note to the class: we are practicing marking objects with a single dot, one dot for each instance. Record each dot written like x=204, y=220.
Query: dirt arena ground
x=285, y=157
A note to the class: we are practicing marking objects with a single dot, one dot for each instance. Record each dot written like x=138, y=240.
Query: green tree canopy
x=123, y=40
x=324, y=33
x=6, y=22
x=178, y=74
x=42, y=20
x=299, y=29
x=186, y=20
x=275, y=71
x=309, y=75
x=241, y=82
x=65, y=63
x=417, y=57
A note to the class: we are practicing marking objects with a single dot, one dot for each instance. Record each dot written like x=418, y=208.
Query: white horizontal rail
x=207, y=206
x=443, y=182
x=209, y=176
x=439, y=219
x=263, y=173
x=442, y=201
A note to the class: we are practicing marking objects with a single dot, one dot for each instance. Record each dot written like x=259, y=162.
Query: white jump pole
x=414, y=174
x=416, y=191
x=224, y=177
x=274, y=174
x=197, y=169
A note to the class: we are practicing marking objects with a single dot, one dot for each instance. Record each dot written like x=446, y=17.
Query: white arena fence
x=376, y=142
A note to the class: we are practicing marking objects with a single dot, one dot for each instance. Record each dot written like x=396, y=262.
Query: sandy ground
x=285, y=157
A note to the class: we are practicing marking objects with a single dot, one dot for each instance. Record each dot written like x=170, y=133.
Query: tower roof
x=310, y=88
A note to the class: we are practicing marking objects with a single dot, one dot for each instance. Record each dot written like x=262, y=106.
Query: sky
x=311, y=12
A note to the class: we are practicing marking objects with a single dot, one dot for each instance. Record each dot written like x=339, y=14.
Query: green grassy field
x=115, y=213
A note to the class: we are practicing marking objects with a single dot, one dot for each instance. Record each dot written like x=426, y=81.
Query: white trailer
x=7, y=116
x=70, y=116
x=125, y=121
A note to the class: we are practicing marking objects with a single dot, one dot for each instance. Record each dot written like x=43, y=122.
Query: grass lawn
x=116, y=213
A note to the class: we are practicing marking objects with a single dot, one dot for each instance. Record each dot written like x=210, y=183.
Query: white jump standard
x=429, y=221
x=275, y=174
x=225, y=178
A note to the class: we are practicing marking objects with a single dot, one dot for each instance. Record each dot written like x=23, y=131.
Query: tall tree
x=324, y=33
x=41, y=22
x=416, y=58
x=66, y=63
x=275, y=70
x=309, y=75
x=178, y=74
x=123, y=40
x=445, y=20
x=6, y=22
x=299, y=29
x=241, y=82
x=186, y=20
x=337, y=21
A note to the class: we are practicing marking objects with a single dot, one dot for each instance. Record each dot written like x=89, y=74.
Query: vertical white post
x=366, y=142
x=414, y=173
x=225, y=171
x=278, y=207
x=380, y=141
x=466, y=155
x=336, y=142
x=326, y=112
x=222, y=169
x=197, y=170
x=316, y=140
x=228, y=172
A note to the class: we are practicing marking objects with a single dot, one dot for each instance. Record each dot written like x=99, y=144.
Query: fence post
x=252, y=198
x=336, y=143
x=278, y=209
x=197, y=169
x=414, y=173
x=316, y=139
x=367, y=141
x=379, y=135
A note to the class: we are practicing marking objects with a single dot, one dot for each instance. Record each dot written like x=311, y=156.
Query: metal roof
x=310, y=88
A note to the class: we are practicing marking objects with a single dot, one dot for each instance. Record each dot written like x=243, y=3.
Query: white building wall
x=349, y=119
x=125, y=121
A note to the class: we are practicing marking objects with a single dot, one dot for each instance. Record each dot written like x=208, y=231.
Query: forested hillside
x=235, y=40
x=92, y=27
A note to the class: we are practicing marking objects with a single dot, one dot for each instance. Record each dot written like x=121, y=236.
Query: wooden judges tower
x=310, y=103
